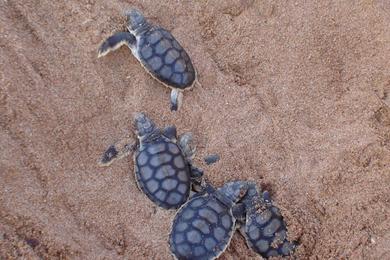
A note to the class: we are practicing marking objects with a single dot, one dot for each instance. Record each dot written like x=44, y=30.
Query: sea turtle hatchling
x=163, y=168
x=158, y=52
x=204, y=226
x=262, y=225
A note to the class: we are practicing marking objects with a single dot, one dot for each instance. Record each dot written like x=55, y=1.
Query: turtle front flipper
x=176, y=99
x=188, y=149
x=170, y=132
x=196, y=175
x=115, y=42
x=118, y=151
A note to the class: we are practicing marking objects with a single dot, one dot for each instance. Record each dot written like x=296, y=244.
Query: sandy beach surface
x=294, y=95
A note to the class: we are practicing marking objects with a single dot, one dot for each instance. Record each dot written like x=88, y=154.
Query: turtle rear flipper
x=176, y=99
x=115, y=42
x=211, y=159
x=239, y=212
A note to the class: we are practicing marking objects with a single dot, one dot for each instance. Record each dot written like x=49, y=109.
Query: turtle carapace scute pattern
x=264, y=228
x=204, y=226
x=162, y=173
x=158, y=51
x=162, y=162
x=165, y=58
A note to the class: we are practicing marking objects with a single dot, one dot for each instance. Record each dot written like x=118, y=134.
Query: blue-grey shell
x=202, y=229
x=163, y=174
x=266, y=233
x=165, y=58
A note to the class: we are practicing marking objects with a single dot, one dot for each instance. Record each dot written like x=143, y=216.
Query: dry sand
x=295, y=95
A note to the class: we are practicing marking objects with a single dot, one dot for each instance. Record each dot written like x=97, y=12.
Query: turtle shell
x=163, y=174
x=165, y=58
x=202, y=229
x=266, y=233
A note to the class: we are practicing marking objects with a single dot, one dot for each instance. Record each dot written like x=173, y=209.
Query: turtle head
x=144, y=126
x=135, y=20
x=233, y=191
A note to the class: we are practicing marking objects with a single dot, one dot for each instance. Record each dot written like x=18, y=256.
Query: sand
x=294, y=95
